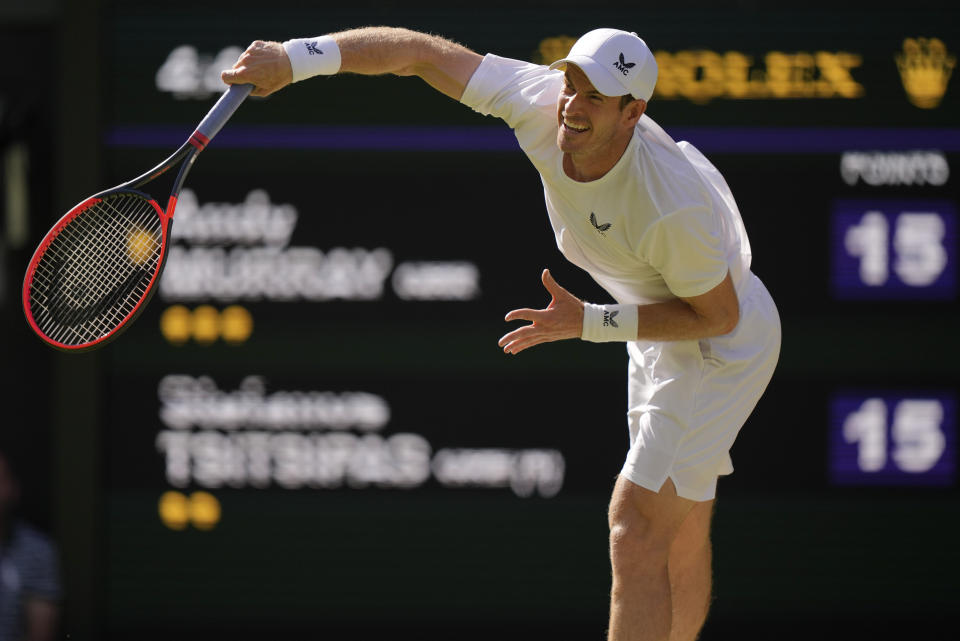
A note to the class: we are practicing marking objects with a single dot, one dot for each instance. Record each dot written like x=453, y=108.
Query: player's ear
x=633, y=110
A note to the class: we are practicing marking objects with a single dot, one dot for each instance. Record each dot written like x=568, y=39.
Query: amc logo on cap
x=623, y=66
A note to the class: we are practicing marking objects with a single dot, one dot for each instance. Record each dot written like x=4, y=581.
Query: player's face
x=589, y=122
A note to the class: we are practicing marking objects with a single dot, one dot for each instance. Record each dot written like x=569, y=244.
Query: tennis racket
x=95, y=270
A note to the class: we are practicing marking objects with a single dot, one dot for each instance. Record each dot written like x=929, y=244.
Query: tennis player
x=655, y=224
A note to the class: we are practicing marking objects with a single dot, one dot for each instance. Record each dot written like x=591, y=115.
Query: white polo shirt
x=661, y=224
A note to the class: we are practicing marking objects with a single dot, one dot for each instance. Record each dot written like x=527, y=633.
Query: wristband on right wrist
x=608, y=323
x=309, y=57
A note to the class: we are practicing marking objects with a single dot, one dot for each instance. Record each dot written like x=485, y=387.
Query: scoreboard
x=311, y=428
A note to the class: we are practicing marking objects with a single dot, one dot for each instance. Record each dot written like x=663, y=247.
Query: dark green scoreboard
x=312, y=430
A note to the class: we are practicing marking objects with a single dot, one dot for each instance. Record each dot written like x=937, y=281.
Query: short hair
x=626, y=100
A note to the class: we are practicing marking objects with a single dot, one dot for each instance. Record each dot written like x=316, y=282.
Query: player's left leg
x=691, y=573
x=643, y=526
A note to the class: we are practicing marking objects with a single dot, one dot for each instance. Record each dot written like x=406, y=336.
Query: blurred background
x=311, y=430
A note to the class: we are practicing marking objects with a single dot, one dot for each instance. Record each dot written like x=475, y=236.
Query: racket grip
x=218, y=116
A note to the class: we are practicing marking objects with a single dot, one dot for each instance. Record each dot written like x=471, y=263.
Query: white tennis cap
x=616, y=62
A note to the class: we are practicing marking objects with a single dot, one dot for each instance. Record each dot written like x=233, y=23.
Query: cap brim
x=600, y=77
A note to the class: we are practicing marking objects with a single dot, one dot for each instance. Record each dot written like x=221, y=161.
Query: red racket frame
x=187, y=154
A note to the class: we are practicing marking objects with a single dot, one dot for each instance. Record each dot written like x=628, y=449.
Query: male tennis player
x=656, y=225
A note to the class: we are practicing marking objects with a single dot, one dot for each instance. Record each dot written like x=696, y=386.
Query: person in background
x=29, y=569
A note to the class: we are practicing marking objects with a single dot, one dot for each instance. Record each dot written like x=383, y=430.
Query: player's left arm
x=713, y=313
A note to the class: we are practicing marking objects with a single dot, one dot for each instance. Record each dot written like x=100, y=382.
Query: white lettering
x=895, y=168
x=917, y=441
x=868, y=241
x=918, y=436
x=436, y=281
x=259, y=273
x=188, y=402
x=254, y=221
x=292, y=439
x=867, y=427
x=918, y=244
x=293, y=460
x=524, y=471
x=187, y=74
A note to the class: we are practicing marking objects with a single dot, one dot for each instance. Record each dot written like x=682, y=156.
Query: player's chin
x=570, y=143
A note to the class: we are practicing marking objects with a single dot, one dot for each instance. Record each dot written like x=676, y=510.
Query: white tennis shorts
x=687, y=400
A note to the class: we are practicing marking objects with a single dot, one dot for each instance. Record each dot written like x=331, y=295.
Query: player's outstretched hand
x=264, y=65
x=563, y=318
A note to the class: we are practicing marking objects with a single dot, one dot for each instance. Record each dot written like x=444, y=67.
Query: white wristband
x=309, y=57
x=606, y=323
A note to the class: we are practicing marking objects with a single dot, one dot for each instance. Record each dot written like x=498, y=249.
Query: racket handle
x=217, y=117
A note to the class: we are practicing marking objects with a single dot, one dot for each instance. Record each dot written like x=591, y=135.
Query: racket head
x=96, y=268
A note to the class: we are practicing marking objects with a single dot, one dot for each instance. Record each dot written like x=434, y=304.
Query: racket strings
x=95, y=253
x=99, y=264
x=97, y=269
x=90, y=281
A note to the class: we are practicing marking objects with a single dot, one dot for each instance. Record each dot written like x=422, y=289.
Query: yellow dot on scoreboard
x=206, y=324
x=174, y=510
x=141, y=245
x=236, y=324
x=204, y=510
x=176, y=324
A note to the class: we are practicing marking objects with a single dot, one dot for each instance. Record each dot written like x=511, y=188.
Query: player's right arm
x=444, y=65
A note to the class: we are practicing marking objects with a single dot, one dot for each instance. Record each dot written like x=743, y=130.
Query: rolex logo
x=925, y=67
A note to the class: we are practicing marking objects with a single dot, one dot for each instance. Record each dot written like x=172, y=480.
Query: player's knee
x=636, y=546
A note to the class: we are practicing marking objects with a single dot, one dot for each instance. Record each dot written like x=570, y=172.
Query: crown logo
x=925, y=67
x=553, y=48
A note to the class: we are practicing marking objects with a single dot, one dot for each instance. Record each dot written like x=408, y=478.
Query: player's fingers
x=230, y=76
x=506, y=339
x=520, y=333
x=511, y=347
x=517, y=346
x=526, y=314
x=552, y=285
x=240, y=75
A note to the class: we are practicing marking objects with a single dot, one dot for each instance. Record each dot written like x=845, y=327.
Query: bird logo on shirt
x=600, y=228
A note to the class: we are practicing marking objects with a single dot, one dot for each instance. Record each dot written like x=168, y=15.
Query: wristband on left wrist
x=609, y=323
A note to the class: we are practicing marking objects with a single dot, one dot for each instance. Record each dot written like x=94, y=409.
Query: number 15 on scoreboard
x=893, y=440
x=894, y=250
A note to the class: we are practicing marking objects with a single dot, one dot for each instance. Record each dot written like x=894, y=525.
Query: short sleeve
x=510, y=89
x=686, y=248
